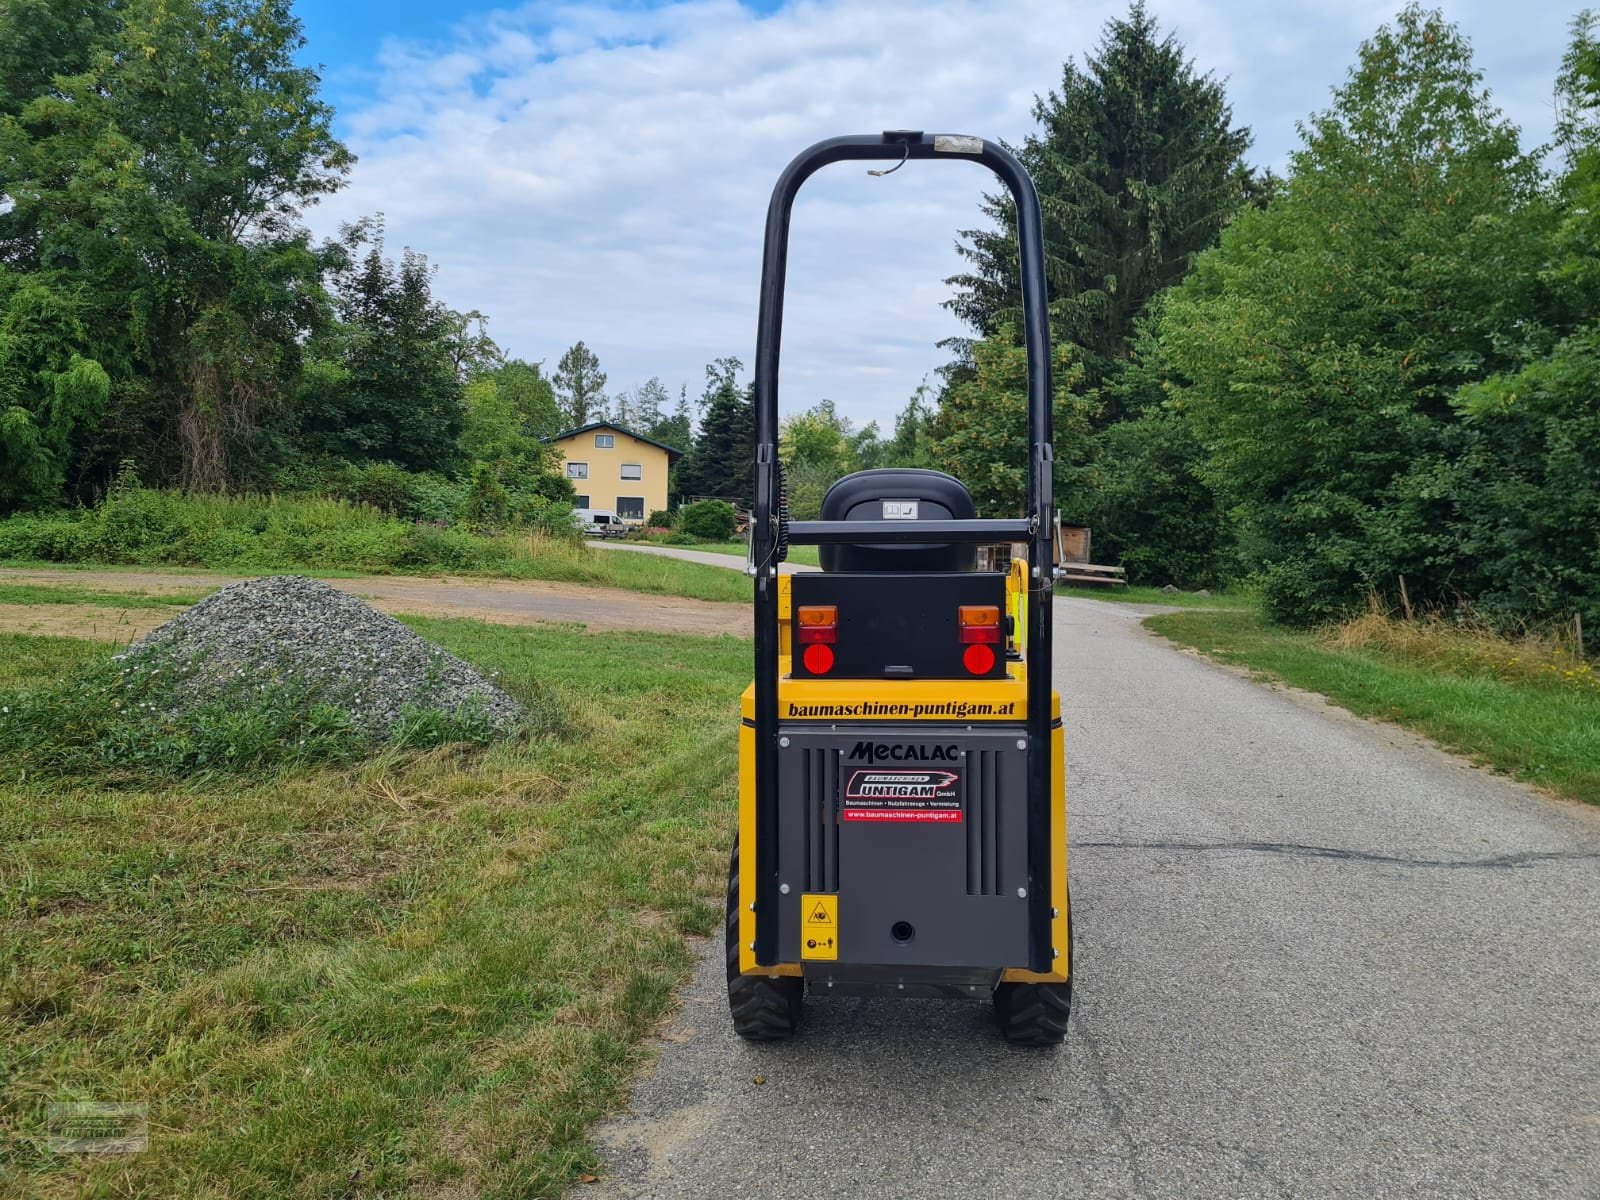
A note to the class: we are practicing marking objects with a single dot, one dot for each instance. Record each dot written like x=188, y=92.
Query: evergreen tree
x=580, y=386
x=721, y=462
x=1138, y=169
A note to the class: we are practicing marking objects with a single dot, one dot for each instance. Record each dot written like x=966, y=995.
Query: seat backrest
x=905, y=493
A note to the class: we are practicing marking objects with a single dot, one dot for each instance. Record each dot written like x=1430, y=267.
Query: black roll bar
x=1034, y=527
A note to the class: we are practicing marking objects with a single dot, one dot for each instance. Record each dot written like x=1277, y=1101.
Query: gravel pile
x=290, y=630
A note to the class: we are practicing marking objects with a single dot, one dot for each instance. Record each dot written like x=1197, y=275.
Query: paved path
x=1315, y=957
x=707, y=557
x=501, y=601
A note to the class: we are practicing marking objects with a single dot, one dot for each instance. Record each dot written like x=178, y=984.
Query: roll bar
x=1034, y=527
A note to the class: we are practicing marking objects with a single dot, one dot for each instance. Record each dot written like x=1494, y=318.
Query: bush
x=385, y=486
x=659, y=519
x=712, y=520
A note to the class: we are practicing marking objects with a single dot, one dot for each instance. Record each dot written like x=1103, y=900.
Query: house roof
x=673, y=453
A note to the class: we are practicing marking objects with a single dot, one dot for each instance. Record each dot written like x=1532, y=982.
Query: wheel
x=764, y=1008
x=1035, y=1014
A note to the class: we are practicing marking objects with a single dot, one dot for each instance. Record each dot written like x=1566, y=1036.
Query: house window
x=604, y=441
x=577, y=470
x=580, y=502
x=632, y=471
x=630, y=508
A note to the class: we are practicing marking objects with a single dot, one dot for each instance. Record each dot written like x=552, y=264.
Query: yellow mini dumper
x=902, y=815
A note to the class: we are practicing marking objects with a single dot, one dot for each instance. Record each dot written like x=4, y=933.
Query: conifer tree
x=1138, y=167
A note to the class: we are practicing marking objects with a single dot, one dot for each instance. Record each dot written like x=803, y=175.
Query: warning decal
x=890, y=794
x=819, y=927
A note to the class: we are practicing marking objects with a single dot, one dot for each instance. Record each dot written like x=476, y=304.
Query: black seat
x=862, y=497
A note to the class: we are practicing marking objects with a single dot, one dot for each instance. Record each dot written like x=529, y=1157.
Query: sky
x=600, y=171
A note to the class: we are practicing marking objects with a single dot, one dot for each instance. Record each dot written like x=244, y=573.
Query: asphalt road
x=1315, y=957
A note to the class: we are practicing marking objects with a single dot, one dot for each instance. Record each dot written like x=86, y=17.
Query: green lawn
x=424, y=974
x=1544, y=733
x=29, y=593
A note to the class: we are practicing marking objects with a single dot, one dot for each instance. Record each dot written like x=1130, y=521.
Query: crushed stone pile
x=290, y=630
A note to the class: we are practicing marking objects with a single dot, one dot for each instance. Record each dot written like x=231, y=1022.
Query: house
x=612, y=467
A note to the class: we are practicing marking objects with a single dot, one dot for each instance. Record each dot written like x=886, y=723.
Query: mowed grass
x=1546, y=733
x=29, y=593
x=425, y=974
x=1148, y=595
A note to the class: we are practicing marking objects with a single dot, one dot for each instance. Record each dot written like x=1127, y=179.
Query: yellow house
x=611, y=467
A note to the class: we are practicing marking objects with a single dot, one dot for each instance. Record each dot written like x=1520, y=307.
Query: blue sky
x=600, y=170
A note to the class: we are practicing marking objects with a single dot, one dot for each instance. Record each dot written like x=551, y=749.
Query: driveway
x=1315, y=957
x=698, y=556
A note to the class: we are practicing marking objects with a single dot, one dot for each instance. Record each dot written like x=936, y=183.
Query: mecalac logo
x=867, y=784
x=898, y=752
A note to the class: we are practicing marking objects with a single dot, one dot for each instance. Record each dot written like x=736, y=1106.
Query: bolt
x=1054, y=953
x=1022, y=893
x=1054, y=912
x=783, y=888
x=1022, y=743
x=752, y=906
x=752, y=947
x=783, y=741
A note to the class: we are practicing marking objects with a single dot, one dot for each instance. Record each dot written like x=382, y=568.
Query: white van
x=599, y=522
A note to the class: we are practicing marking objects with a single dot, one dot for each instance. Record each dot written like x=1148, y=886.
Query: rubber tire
x=1035, y=1014
x=764, y=1008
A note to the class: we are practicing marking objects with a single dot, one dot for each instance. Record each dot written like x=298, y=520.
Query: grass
x=423, y=973
x=1150, y=595
x=1535, y=724
x=27, y=593
x=255, y=534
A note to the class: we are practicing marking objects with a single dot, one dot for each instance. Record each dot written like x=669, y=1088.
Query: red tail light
x=979, y=623
x=818, y=623
x=978, y=659
x=818, y=658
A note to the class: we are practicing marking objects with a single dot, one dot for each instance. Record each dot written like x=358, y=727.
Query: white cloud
x=596, y=172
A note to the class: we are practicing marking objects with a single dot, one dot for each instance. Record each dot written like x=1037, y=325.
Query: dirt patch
x=91, y=621
x=500, y=601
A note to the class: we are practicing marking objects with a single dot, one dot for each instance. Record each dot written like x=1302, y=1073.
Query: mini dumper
x=902, y=814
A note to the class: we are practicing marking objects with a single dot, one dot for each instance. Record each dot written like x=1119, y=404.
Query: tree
x=580, y=385
x=678, y=429
x=48, y=389
x=1325, y=338
x=391, y=391
x=165, y=179
x=1138, y=169
x=981, y=433
x=527, y=390
x=648, y=410
x=1529, y=483
x=911, y=445
x=721, y=461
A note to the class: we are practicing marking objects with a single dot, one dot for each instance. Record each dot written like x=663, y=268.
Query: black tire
x=1035, y=1014
x=764, y=1008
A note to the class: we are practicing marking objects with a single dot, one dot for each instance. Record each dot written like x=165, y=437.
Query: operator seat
x=862, y=497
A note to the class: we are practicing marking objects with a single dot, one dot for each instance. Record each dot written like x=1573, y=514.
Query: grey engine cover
x=911, y=825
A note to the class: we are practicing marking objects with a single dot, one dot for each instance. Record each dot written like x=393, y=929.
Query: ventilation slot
x=982, y=819
x=820, y=780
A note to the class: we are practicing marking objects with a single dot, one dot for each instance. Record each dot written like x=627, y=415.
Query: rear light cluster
x=819, y=629
x=978, y=628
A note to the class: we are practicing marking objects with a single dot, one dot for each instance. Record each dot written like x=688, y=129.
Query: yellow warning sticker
x=819, y=926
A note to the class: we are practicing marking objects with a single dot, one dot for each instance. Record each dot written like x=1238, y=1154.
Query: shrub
x=712, y=520
x=387, y=487
x=659, y=519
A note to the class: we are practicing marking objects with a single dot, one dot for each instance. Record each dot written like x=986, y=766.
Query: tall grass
x=146, y=527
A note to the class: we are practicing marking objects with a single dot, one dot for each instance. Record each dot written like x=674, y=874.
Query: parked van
x=599, y=522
